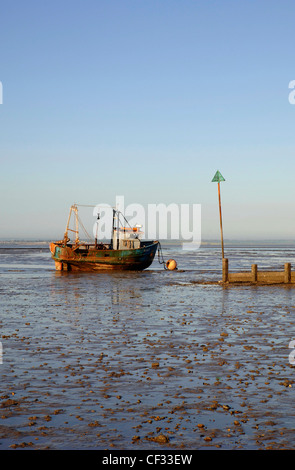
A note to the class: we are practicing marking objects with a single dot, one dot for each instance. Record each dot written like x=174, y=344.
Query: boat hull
x=90, y=258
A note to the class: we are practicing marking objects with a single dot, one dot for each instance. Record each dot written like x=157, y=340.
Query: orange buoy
x=171, y=264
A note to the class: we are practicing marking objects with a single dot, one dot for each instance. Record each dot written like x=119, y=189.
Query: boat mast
x=113, y=230
x=77, y=225
x=75, y=209
x=67, y=227
x=117, y=231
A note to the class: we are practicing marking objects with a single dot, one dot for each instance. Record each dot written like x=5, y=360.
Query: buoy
x=171, y=264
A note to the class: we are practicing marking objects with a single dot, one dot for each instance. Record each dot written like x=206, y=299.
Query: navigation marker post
x=216, y=179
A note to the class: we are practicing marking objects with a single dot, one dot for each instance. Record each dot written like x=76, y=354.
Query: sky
x=146, y=99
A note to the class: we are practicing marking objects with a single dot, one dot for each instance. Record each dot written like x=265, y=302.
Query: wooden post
x=254, y=272
x=224, y=270
x=287, y=273
x=220, y=216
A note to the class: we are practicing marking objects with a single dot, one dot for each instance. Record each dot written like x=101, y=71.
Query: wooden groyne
x=257, y=276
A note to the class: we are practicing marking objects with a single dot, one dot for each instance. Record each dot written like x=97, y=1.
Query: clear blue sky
x=147, y=99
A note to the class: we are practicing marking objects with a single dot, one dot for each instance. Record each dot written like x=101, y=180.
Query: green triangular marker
x=217, y=177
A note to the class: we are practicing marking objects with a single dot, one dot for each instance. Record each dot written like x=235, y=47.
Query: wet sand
x=153, y=360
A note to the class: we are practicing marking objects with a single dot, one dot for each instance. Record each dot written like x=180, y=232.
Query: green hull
x=91, y=258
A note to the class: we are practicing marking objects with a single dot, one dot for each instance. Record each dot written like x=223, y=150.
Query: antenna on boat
x=98, y=217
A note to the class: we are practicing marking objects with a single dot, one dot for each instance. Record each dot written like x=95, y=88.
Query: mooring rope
x=160, y=256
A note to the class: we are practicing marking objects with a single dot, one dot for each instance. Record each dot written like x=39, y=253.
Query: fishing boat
x=126, y=250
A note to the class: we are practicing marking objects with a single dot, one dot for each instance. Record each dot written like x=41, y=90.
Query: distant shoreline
x=205, y=243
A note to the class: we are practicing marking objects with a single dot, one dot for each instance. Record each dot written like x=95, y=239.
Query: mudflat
x=147, y=360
